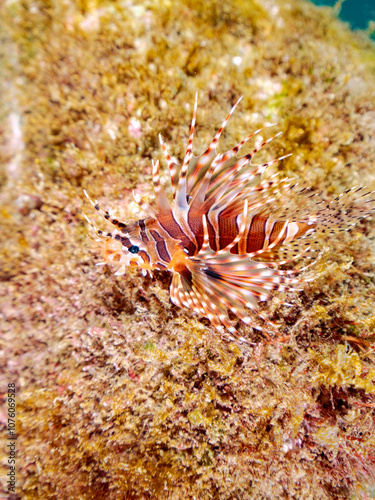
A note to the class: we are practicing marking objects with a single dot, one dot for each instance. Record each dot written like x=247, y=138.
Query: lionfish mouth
x=112, y=246
x=114, y=252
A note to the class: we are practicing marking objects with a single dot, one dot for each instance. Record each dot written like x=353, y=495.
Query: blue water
x=357, y=12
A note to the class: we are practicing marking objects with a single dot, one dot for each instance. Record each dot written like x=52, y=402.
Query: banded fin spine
x=213, y=283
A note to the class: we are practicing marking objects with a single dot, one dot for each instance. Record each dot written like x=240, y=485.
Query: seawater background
x=357, y=12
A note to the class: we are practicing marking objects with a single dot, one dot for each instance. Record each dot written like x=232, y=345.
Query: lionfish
x=226, y=231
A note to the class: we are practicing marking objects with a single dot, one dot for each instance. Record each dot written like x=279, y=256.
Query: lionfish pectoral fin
x=214, y=284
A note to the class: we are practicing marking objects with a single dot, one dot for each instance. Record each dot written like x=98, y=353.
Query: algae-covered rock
x=120, y=395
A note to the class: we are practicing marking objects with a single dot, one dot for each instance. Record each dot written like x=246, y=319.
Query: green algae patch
x=196, y=418
x=342, y=368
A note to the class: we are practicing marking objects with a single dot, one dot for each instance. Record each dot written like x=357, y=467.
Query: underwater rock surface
x=120, y=394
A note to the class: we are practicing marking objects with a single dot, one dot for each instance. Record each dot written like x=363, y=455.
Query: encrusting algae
x=120, y=394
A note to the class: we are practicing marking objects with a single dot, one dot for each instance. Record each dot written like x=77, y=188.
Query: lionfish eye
x=133, y=249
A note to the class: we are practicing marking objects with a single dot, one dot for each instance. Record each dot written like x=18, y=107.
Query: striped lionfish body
x=226, y=231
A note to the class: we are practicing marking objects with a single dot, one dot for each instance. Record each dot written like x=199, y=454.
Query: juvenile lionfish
x=226, y=231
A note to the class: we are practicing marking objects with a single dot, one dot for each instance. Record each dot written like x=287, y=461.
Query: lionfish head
x=122, y=247
x=115, y=251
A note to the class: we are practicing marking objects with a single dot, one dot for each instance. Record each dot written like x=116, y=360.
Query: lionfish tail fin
x=344, y=212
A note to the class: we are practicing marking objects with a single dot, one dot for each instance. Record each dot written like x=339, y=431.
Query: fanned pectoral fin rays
x=214, y=283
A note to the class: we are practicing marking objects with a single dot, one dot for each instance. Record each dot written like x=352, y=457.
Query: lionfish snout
x=118, y=247
x=114, y=252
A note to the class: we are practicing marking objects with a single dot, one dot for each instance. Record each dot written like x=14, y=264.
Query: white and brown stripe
x=226, y=230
